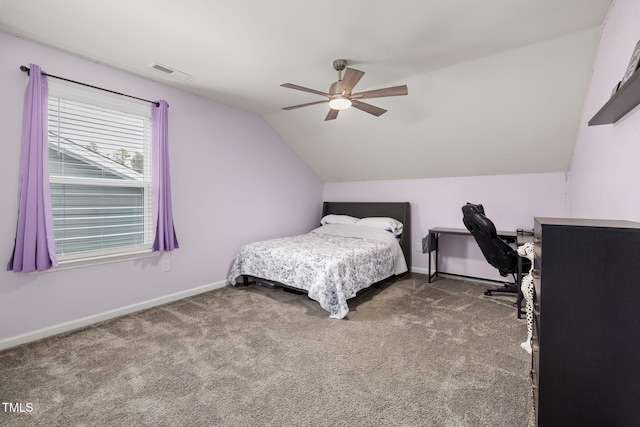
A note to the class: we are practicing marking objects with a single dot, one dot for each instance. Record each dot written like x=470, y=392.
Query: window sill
x=100, y=260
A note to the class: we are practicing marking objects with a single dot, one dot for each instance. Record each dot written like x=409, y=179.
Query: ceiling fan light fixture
x=339, y=102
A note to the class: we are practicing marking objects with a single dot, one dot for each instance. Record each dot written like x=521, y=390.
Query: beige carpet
x=409, y=354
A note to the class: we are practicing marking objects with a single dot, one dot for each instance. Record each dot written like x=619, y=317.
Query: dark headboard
x=400, y=211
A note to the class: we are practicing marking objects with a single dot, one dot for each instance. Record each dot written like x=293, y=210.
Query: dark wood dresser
x=586, y=337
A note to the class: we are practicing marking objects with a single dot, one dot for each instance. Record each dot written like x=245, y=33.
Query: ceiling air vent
x=171, y=72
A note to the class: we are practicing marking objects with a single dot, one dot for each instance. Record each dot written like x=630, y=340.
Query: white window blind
x=99, y=174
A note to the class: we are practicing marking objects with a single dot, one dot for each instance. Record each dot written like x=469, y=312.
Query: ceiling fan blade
x=371, y=109
x=350, y=79
x=332, y=115
x=324, y=101
x=379, y=93
x=304, y=89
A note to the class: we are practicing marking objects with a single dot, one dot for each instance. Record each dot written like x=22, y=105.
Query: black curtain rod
x=28, y=70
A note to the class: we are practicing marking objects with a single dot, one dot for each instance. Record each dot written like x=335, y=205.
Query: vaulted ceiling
x=495, y=86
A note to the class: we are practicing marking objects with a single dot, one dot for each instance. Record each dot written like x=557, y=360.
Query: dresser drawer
x=535, y=358
x=536, y=400
x=537, y=288
x=535, y=369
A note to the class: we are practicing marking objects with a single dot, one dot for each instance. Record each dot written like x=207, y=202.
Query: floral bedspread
x=332, y=263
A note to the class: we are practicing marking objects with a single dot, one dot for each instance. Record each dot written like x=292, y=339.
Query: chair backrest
x=497, y=252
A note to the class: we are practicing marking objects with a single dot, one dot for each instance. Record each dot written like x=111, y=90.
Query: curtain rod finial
x=25, y=69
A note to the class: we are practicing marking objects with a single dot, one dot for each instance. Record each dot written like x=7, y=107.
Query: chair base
x=508, y=288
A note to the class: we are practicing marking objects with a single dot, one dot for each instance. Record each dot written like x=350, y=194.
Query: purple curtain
x=34, y=246
x=165, y=234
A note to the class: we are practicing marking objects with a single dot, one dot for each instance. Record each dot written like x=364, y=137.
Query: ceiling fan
x=340, y=96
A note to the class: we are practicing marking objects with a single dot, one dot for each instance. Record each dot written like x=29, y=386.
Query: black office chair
x=497, y=252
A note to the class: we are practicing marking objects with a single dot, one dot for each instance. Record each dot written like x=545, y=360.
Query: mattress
x=332, y=263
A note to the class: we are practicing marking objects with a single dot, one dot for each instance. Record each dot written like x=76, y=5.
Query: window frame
x=140, y=109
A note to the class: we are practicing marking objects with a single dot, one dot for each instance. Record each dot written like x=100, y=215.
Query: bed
x=356, y=246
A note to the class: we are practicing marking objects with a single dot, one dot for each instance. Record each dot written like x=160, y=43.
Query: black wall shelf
x=623, y=101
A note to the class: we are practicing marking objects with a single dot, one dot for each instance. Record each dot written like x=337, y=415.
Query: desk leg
x=437, y=239
x=429, y=255
x=433, y=247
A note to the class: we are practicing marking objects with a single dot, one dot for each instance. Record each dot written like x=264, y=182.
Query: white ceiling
x=490, y=81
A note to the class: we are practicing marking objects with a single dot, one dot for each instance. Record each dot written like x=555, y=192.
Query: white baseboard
x=89, y=320
x=419, y=270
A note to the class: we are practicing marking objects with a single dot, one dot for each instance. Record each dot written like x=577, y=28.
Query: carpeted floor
x=410, y=353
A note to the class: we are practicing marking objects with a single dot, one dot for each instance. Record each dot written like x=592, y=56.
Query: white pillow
x=338, y=219
x=384, y=223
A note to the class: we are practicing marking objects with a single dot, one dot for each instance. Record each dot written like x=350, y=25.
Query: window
x=99, y=174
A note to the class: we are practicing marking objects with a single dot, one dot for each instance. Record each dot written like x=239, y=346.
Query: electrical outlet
x=418, y=247
x=166, y=265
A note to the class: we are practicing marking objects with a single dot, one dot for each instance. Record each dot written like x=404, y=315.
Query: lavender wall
x=234, y=181
x=511, y=201
x=604, y=176
x=225, y=197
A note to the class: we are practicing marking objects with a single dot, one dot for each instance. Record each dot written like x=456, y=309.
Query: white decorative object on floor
x=527, y=251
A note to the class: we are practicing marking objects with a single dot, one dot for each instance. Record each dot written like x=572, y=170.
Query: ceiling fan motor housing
x=336, y=89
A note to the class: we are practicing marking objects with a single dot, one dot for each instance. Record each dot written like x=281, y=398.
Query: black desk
x=508, y=236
